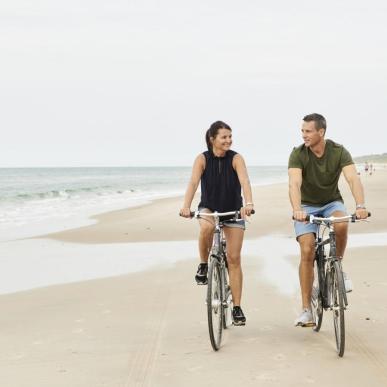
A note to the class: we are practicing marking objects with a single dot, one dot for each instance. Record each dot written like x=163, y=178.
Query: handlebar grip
x=307, y=218
x=192, y=214
x=354, y=218
x=252, y=212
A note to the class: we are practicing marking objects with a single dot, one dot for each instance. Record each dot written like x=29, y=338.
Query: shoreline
x=159, y=219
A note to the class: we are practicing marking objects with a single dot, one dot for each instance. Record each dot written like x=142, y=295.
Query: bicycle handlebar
x=197, y=214
x=332, y=219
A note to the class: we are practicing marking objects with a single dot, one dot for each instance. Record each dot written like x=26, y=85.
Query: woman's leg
x=205, y=236
x=234, y=238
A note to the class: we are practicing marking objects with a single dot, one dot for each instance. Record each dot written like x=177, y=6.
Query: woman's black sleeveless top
x=220, y=186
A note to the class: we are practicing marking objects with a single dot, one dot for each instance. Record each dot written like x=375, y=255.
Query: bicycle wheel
x=337, y=302
x=214, y=304
x=227, y=301
x=316, y=301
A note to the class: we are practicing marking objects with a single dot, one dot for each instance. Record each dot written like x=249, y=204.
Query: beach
x=114, y=303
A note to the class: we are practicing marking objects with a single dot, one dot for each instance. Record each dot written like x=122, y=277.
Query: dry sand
x=150, y=329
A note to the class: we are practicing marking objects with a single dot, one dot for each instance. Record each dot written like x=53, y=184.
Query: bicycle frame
x=325, y=266
x=219, y=298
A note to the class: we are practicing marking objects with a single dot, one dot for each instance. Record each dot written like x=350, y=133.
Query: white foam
x=28, y=264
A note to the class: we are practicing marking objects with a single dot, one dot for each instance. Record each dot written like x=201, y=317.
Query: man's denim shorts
x=324, y=211
x=230, y=223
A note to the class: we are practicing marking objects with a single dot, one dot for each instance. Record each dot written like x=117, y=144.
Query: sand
x=149, y=328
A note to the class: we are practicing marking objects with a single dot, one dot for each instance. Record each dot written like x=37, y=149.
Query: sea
x=41, y=200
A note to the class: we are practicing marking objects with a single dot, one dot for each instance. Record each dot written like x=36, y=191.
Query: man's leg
x=341, y=230
x=307, y=242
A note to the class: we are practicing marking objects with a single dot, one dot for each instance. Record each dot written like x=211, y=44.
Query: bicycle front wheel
x=214, y=304
x=338, y=305
x=317, y=301
x=227, y=301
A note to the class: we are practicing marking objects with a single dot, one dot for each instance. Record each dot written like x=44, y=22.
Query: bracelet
x=362, y=206
x=249, y=204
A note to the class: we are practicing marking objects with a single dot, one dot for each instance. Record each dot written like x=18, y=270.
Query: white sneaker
x=347, y=283
x=305, y=319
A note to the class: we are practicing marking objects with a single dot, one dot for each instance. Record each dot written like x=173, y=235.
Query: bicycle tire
x=214, y=303
x=317, y=291
x=338, y=307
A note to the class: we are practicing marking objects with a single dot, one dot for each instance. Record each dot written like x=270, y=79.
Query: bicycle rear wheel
x=214, y=303
x=337, y=302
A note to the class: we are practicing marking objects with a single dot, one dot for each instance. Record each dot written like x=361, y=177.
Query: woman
x=222, y=173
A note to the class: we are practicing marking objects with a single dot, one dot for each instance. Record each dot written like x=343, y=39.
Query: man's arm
x=356, y=187
x=295, y=182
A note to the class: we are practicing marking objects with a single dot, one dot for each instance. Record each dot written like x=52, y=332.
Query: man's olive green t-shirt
x=320, y=176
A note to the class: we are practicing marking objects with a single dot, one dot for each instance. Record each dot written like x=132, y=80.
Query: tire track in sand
x=376, y=361
x=142, y=366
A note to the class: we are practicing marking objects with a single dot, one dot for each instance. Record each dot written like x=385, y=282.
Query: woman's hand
x=185, y=212
x=246, y=210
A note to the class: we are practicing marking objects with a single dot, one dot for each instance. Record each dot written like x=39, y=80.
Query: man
x=314, y=170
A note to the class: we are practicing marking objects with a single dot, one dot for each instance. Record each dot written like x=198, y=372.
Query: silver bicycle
x=328, y=292
x=219, y=298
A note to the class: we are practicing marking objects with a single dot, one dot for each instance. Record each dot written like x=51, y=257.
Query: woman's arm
x=241, y=170
x=197, y=171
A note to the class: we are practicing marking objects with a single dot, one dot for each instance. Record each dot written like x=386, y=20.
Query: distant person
x=366, y=167
x=371, y=169
x=222, y=173
x=314, y=170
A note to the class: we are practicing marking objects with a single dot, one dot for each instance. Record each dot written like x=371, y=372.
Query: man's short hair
x=319, y=121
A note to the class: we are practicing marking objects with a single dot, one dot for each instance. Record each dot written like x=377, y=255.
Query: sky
x=137, y=83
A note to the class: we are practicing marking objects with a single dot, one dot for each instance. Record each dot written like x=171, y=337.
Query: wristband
x=249, y=204
x=360, y=206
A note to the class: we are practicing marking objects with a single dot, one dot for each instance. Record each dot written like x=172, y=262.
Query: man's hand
x=299, y=215
x=361, y=213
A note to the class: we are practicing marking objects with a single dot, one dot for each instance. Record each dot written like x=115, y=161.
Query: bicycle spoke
x=338, y=308
x=214, y=304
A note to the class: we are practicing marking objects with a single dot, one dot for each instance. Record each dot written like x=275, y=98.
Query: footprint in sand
x=17, y=356
x=195, y=369
x=279, y=357
x=78, y=330
x=267, y=377
x=266, y=328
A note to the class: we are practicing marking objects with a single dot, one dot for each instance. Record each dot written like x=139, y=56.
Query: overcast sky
x=106, y=83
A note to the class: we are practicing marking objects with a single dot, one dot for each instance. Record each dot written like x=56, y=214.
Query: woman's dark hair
x=213, y=131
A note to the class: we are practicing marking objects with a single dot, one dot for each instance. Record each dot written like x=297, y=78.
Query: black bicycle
x=219, y=298
x=328, y=292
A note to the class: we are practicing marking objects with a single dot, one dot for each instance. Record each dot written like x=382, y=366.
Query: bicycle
x=219, y=298
x=328, y=292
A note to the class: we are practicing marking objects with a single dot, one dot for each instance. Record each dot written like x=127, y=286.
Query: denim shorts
x=230, y=223
x=325, y=211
